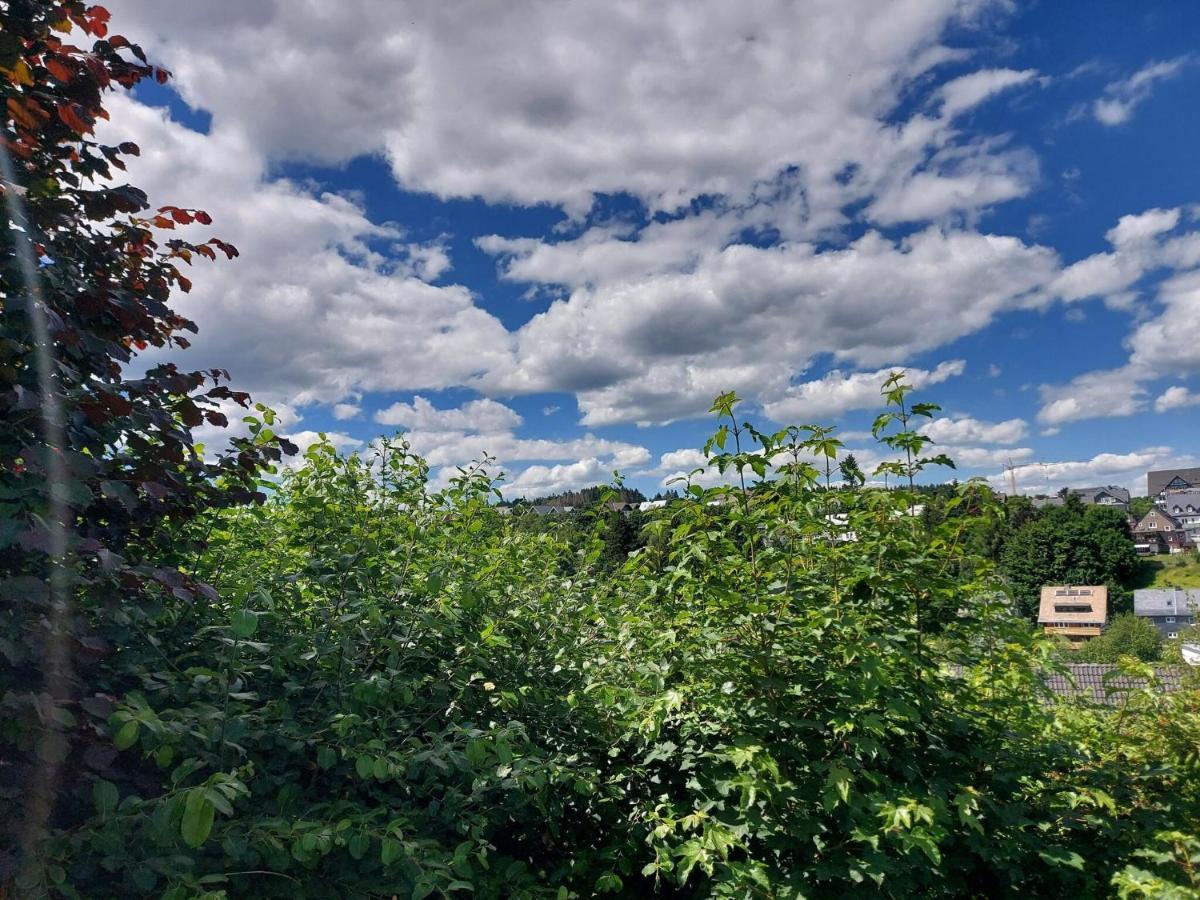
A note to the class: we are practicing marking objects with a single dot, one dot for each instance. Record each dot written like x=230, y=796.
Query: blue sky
x=553, y=232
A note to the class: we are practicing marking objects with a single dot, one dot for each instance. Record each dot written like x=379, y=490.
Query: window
x=1173, y=635
x=1170, y=620
x=1072, y=607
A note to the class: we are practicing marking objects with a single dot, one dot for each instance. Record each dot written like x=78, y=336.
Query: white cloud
x=1166, y=344
x=307, y=313
x=1176, y=397
x=1103, y=393
x=344, y=411
x=540, y=481
x=1169, y=343
x=968, y=91
x=478, y=429
x=968, y=458
x=1126, y=470
x=836, y=393
x=474, y=417
x=1141, y=227
x=683, y=458
x=659, y=346
x=968, y=430
x=666, y=101
x=1121, y=98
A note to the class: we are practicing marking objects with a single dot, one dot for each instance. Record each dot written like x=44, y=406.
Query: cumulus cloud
x=457, y=436
x=836, y=393
x=308, y=312
x=1124, y=469
x=1103, y=393
x=1121, y=98
x=666, y=102
x=660, y=346
x=968, y=430
x=1176, y=397
x=541, y=481
x=1163, y=344
x=475, y=416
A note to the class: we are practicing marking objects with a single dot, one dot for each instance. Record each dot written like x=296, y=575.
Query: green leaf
x=326, y=757
x=126, y=735
x=390, y=851
x=359, y=845
x=244, y=623
x=608, y=883
x=197, y=820
x=106, y=796
x=1060, y=856
x=364, y=766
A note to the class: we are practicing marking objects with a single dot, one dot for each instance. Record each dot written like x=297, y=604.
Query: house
x=1077, y=612
x=1170, y=610
x=1160, y=532
x=1158, y=483
x=1184, y=507
x=546, y=509
x=1108, y=495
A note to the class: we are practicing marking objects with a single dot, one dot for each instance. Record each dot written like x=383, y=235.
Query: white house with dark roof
x=1170, y=610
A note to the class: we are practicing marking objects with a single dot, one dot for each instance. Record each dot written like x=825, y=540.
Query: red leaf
x=68, y=113
x=59, y=71
x=203, y=218
x=161, y=75
x=185, y=284
x=130, y=148
x=182, y=216
x=163, y=222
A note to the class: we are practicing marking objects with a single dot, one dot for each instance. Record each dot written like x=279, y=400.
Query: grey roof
x=1089, y=494
x=1166, y=601
x=1156, y=482
x=1177, y=502
x=1043, y=502
x=1085, y=681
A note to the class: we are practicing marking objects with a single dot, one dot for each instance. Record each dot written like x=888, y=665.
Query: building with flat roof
x=1077, y=612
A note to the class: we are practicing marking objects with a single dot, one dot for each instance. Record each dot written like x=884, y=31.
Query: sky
x=552, y=232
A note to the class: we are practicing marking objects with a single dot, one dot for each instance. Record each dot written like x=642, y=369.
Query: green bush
x=1126, y=635
x=403, y=693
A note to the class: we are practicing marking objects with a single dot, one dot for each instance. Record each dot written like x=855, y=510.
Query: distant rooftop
x=1166, y=601
x=1097, y=683
x=1073, y=604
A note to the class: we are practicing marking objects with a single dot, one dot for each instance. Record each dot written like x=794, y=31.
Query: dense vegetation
x=224, y=680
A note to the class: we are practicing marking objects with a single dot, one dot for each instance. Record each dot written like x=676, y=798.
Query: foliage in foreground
x=405, y=694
